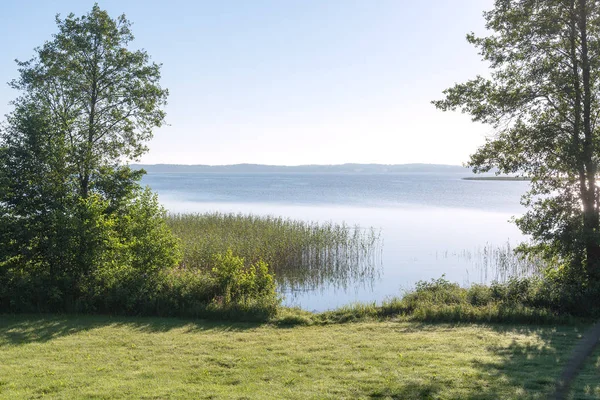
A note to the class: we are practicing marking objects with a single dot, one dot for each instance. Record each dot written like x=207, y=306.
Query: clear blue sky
x=290, y=81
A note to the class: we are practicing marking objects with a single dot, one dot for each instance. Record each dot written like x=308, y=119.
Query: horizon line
x=297, y=165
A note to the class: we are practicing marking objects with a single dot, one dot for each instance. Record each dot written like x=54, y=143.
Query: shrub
x=239, y=283
x=438, y=300
x=292, y=317
x=566, y=296
x=193, y=293
x=436, y=291
x=133, y=247
x=479, y=295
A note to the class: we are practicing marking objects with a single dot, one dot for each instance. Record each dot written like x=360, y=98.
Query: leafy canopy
x=542, y=98
x=103, y=97
x=77, y=231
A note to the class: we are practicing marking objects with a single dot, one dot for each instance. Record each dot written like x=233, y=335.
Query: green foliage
x=137, y=247
x=103, y=96
x=77, y=232
x=118, y=270
x=438, y=291
x=143, y=228
x=37, y=212
x=518, y=300
x=231, y=291
x=528, y=300
x=479, y=295
x=541, y=98
x=299, y=253
x=241, y=284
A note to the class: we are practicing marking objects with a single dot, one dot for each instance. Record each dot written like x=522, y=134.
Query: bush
x=240, y=284
x=479, y=295
x=133, y=246
x=563, y=295
x=230, y=291
x=107, y=262
x=436, y=291
x=192, y=293
x=292, y=317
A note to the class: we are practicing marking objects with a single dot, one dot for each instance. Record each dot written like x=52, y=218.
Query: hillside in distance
x=305, y=169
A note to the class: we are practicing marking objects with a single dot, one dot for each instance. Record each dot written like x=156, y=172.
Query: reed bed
x=493, y=263
x=302, y=255
x=501, y=264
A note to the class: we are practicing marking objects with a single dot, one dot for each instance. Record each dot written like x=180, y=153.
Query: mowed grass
x=110, y=358
x=587, y=384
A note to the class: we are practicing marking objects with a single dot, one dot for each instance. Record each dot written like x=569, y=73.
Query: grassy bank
x=103, y=357
x=526, y=301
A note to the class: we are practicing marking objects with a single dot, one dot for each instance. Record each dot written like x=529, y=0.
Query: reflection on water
x=413, y=244
x=341, y=263
x=438, y=226
x=492, y=263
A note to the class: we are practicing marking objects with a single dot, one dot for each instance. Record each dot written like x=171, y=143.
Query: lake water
x=431, y=223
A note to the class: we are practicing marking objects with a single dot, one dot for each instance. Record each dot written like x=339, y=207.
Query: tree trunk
x=590, y=207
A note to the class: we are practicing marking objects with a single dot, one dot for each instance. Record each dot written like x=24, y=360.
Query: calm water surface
x=431, y=224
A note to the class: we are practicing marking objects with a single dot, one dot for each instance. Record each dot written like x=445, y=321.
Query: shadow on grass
x=411, y=390
x=30, y=328
x=521, y=370
x=528, y=370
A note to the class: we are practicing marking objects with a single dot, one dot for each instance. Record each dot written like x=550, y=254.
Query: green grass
x=67, y=357
x=587, y=384
x=301, y=254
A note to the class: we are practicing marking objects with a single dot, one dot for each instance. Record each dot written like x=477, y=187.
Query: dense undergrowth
x=529, y=301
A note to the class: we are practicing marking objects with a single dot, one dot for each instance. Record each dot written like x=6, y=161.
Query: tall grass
x=302, y=255
x=493, y=263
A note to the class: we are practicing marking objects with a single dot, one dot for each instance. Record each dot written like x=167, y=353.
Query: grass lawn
x=103, y=357
x=587, y=384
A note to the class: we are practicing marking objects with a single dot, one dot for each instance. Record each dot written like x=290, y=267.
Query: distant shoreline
x=307, y=169
x=497, y=178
